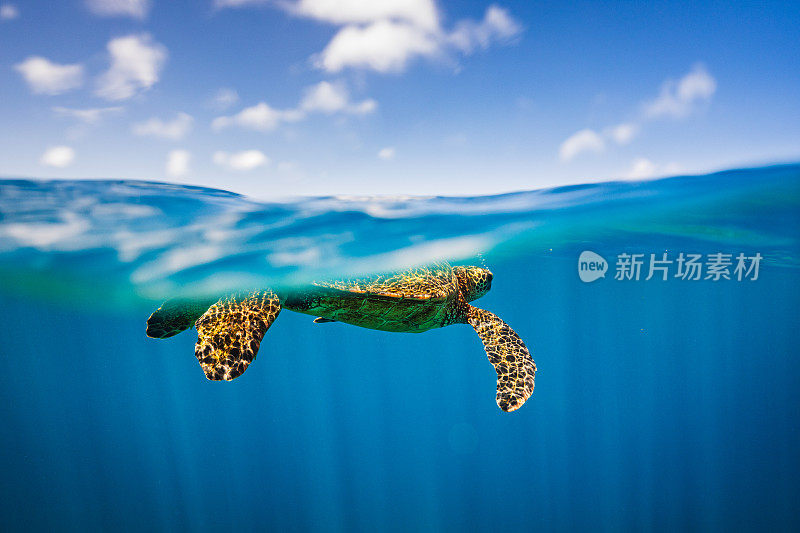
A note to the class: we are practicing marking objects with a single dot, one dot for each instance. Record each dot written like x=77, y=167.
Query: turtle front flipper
x=230, y=332
x=174, y=316
x=508, y=354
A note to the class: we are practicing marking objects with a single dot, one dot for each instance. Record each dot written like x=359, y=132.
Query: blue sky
x=279, y=98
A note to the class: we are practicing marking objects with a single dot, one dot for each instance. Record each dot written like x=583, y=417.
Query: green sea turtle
x=230, y=329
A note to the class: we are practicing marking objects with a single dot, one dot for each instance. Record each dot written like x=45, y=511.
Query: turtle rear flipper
x=230, y=332
x=508, y=354
x=174, y=316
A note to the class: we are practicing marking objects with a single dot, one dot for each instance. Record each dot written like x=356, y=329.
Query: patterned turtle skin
x=230, y=331
x=408, y=302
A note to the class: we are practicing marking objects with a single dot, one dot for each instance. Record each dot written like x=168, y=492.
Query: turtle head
x=473, y=281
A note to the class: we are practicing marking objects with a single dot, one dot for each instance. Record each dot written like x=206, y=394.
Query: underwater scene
x=662, y=317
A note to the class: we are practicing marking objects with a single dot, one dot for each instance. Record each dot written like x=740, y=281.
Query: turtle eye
x=474, y=281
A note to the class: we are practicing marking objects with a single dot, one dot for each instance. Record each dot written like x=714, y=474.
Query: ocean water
x=660, y=405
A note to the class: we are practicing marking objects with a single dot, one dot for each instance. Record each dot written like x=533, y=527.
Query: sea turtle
x=230, y=330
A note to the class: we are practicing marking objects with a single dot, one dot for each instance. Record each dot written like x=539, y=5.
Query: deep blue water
x=659, y=405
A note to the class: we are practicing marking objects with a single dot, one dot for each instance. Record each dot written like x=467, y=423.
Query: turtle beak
x=487, y=285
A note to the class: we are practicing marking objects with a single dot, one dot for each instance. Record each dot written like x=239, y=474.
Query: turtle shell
x=411, y=301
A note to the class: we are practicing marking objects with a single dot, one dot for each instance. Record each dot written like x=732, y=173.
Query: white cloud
x=88, y=115
x=8, y=12
x=329, y=98
x=136, y=62
x=175, y=129
x=386, y=153
x=678, y=99
x=643, y=168
x=224, y=98
x=388, y=44
x=420, y=13
x=383, y=46
x=220, y=4
x=178, y=163
x=58, y=156
x=384, y=35
x=583, y=141
x=241, y=161
x=119, y=8
x=696, y=85
x=623, y=133
x=260, y=117
x=324, y=97
x=46, y=77
x=497, y=25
